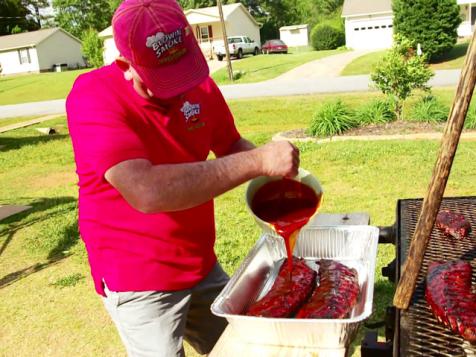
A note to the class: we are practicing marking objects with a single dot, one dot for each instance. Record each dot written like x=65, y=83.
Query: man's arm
x=241, y=145
x=175, y=187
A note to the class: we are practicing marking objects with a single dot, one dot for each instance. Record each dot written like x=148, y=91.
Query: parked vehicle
x=238, y=46
x=274, y=46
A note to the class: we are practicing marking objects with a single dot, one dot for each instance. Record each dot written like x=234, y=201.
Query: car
x=238, y=47
x=274, y=46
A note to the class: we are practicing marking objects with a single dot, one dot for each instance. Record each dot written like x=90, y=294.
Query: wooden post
x=225, y=40
x=432, y=201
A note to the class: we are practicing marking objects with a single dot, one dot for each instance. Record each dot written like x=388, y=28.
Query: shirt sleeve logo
x=190, y=112
x=168, y=47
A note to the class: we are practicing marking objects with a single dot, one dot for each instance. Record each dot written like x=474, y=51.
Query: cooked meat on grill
x=287, y=293
x=336, y=294
x=448, y=292
x=453, y=224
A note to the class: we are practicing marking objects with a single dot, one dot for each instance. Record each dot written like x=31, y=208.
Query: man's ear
x=123, y=63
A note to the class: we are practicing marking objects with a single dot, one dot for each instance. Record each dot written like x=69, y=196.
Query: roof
x=366, y=7
x=106, y=33
x=29, y=39
x=212, y=12
x=294, y=27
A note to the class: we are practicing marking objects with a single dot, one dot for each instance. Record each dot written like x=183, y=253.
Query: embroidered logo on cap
x=168, y=47
x=190, y=111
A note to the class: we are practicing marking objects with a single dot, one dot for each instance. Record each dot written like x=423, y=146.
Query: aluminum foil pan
x=354, y=246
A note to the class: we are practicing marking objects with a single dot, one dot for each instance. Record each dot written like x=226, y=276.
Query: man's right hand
x=279, y=158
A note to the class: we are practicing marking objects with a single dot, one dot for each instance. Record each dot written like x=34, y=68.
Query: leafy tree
x=34, y=7
x=76, y=16
x=114, y=4
x=432, y=23
x=93, y=48
x=400, y=72
x=13, y=14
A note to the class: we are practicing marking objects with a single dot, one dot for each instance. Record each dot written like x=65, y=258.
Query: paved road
x=269, y=88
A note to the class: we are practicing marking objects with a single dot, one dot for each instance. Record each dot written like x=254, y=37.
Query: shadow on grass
x=21, y=220
x=459, y=50
x=41, y=210
x=12, y=143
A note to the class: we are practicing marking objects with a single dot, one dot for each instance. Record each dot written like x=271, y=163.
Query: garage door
x=369, y=34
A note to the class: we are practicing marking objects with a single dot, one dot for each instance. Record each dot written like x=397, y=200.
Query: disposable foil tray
x=354, y=246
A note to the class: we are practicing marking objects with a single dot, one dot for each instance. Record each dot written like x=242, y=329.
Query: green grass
x=365, y=64
x=264, y=67
x=36, y=87
x=48, y=309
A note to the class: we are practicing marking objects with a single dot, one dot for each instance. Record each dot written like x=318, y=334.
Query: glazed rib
x=286, y=295
x=453, y=224
x=336, y=294
x=448, y=292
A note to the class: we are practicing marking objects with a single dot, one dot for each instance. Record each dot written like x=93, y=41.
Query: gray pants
x=154, y=323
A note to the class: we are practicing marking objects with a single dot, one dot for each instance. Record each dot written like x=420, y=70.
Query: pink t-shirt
x=110, y=123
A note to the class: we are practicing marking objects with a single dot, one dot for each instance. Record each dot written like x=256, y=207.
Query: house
x=206, y=27
x=369, y=23
x=110, y=51
x=296, y=35
x=40, y=51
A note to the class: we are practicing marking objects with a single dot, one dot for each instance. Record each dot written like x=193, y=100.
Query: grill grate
x=420, y=333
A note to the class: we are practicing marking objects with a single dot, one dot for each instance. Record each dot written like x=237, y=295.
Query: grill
x=418, y=332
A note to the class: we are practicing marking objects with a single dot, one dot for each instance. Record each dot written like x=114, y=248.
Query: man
x=142, y=129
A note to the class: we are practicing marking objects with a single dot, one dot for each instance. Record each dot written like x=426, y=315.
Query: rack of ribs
x=288, y=292
x=336, y=294
x=448, y=292
x=453, y=224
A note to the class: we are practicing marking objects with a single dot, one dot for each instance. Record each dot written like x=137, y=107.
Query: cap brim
x=177, y=78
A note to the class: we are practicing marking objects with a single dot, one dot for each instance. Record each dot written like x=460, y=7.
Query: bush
x=400, y=72
x=92, y=48
x=470, y=122
x=376, y=112
x=430, y=110
x=325, y=37
x=432, y=23
x=332, y=119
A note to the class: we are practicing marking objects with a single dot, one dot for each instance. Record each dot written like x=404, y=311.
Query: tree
x=432, y=23
x=92, y=48
x=13, y=15
x=76, y=16
x=400, y=72
x=34, y=7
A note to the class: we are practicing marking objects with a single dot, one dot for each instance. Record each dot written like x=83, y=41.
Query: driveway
x=330, y=66
x=215, y=65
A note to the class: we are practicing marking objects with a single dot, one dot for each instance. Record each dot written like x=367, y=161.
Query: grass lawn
x=49, y=307
x=10, y=121
x=365, y=64
x=36, y=87
x=264, y=67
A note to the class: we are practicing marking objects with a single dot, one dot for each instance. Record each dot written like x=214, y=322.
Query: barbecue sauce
x=287, y=205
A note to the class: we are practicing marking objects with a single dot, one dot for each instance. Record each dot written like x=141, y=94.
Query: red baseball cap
x=155, y=36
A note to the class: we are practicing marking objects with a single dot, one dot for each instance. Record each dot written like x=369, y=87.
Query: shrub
x=332, y=119
x=92, y=48
x=470, y=122
x=432, y=23
x=430, y=110
x=325, y=37
x=376, y=112
x=400, y=72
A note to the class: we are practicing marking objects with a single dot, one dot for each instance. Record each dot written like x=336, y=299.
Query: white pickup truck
x=238, y=46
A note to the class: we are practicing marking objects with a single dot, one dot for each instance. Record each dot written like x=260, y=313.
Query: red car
x=274, y=46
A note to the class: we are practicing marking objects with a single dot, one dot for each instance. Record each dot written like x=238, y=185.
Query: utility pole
x=225, y=40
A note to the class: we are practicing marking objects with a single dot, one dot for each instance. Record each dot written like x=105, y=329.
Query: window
x=363, y=28
x=204, y=34
x=390, y=26
x=356, y=29
x=24, y=56
x=377, y=27
x=370, y=28
x=384, y=26
x=295, y=32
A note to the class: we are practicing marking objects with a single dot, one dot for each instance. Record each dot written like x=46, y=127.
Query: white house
x=369, y=23
x=206, y=26
x=296, y=35
x=40, y=51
